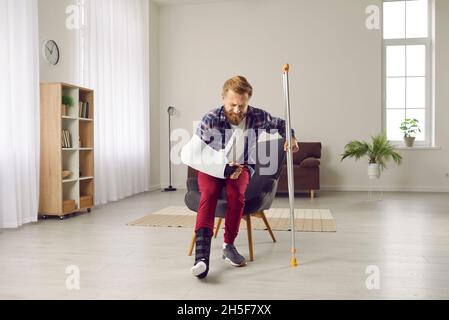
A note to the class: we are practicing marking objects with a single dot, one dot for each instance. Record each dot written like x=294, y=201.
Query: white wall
x=335, y=78
x=52, y=26
x=437, y=163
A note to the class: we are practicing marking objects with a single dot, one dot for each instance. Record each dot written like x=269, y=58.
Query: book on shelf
x=84, y=110
x=69, y=138
x=66, y=139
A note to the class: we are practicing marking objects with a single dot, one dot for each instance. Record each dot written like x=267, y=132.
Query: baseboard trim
x=176, y=186
x=386, y=188
x=154, y=188
x=360, y=188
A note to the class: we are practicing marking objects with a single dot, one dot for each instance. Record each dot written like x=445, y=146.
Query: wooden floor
x=405, y=235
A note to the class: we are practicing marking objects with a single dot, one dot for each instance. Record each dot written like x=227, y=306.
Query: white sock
x=224, y=245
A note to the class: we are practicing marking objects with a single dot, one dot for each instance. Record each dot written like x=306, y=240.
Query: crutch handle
x=286, y=68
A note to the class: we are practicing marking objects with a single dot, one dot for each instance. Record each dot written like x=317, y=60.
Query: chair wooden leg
x=267, y=224
x=217, y=228
x=192, y=244
x=250, y=237
x=312, y=194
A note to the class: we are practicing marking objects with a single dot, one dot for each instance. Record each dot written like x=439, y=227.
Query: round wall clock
x=50, y=52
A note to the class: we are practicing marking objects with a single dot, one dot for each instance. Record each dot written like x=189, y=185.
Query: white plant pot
x=373, y=171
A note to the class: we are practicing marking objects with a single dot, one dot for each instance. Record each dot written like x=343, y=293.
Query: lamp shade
x=171, y=111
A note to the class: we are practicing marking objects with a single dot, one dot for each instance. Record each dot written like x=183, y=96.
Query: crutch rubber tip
x=286, y=67
x=293, y=262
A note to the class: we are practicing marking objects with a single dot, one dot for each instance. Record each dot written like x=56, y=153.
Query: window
x=407, y=76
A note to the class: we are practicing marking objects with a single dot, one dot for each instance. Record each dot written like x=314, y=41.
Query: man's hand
x=295, y=147
x=237, y=172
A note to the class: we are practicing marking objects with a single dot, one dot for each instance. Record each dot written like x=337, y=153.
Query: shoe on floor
x=202, y=253
x=231, y=255
x=200, y=269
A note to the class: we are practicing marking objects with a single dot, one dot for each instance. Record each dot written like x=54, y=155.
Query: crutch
x=291, y=186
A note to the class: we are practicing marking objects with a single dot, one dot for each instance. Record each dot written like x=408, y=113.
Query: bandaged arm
x=200, y=156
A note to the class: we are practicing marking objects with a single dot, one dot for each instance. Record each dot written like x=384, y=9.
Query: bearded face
x=235, y=107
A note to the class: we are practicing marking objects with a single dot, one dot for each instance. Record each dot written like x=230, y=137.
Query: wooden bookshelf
x=63, y=196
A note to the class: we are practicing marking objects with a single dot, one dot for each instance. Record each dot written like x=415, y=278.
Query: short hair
x=238, y=84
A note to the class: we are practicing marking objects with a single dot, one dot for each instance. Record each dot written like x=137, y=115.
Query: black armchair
x=259, y=195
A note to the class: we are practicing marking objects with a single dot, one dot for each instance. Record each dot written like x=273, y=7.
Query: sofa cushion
x=310, y=162
x=306, y=150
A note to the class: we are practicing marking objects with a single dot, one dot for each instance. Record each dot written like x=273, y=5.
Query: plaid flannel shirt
x=216, y=131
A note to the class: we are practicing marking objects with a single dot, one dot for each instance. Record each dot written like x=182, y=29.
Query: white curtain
x=19, y=112
x=116, y=65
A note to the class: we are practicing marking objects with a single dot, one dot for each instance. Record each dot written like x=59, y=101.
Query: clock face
x=51, y=52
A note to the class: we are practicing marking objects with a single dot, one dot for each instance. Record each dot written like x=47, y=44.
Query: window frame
x=428, y=43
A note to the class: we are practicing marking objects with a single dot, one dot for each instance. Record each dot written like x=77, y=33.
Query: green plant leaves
x=380, y=151
x=68, y=101
x=409, y=126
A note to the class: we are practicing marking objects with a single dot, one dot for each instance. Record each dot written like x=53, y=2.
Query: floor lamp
x=171, y=111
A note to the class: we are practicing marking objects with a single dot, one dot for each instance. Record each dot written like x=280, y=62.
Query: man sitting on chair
x=221, y=151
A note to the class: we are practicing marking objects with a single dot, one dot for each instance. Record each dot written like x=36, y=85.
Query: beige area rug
x=306, y=220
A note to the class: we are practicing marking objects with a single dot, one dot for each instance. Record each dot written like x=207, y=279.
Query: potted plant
x=66, y=102
x=409, y=127
x=379, y=151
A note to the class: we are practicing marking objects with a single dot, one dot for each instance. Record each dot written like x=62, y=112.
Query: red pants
x=210, y=188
